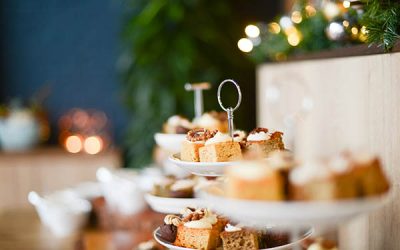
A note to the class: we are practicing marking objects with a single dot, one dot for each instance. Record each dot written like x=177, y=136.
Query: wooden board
x=45, y=170
x=357, y=106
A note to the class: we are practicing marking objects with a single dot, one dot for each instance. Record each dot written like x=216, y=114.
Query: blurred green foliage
x=171, y=42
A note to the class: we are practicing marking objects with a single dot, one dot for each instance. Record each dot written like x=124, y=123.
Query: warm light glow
x=346, y=4
x=290, y=30
x=285, y=22
x=252, y=31
x=310, y=10
x=363, y=30
x=363, y=34
x=93, y=145
x=245, y=45
x=346, y=23
x=293, y=39
x=73, y=144
x=274, y=28
x=296, y=17
x=354, y=30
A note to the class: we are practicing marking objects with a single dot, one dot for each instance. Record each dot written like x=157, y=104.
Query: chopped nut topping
x=200, y=134
x=258, y=130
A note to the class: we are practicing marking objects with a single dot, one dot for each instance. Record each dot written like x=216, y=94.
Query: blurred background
x=87, y=84
x=91, y=55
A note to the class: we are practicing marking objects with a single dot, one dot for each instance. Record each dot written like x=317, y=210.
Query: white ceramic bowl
x=170, y=142
x=63, y=212
x=121, y=189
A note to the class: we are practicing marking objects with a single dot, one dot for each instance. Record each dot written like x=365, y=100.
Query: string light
x=346, y=4
x=245, y=45
x=346, y=23
x=73, y=144
x=252, y=31
x=93, y=145
x=293, y=39
x=354, y=30
x=310, y=10
x=285, y=22
x=296, y=17
x=274, y=28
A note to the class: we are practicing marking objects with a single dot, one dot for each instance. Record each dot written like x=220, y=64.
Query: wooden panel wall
x=46, y=170
x=356, y=105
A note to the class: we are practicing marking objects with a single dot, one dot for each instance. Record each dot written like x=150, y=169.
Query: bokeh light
x=252, y=31
x=274, y=28
x=93, y=145
x=296, y=17
x=245, y=45
x=73, y=144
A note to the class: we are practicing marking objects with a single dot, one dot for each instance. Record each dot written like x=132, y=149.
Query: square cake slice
x=240, y=239
x=220, y=152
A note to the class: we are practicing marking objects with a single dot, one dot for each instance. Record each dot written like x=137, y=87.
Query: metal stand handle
x=229, y=110
x=198, y=95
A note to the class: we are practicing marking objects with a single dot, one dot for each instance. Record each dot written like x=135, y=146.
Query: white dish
x=212, y=169
x=170, y=142
x=64, y=212
x=168, y=245
x=172, y=205
x=291, y=213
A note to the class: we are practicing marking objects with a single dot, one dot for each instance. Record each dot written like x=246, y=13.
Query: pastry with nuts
x=212, y=121
x=260, y=142
x=177, y=124
x=194, y=228
x=195, y=139
x=220, y=148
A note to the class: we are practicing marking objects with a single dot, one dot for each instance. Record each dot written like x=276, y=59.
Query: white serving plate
x=211, y=169
x=170, y=142
x=172, y=205
x=168, y=245
x=291, y=213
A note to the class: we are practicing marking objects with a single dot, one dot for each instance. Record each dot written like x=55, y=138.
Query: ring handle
x=238, y=90
x=230, y=109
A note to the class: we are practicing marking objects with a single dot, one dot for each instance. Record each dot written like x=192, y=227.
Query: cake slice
x=220, y=148
x=200, y=229
x=369, y=175
x=323, y=180
x=195, y=139
x=236, y=238
x=260, y=142
x=254, y=181
x=213, y=121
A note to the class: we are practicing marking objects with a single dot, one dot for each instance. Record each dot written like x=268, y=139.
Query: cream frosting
x=177, y=120
x=362, y=157
x=339, y=164
x=281, y=160
x=250, y=170
x=231, y=228
x=183, y=184
x=206, y=120
x=218, y=138
x=259, y=136
x=206, y=222
x=308, y=172
x=240, y=135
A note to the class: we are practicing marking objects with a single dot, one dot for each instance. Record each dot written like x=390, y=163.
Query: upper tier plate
x=211, y=169
x=169, y=245
x=172, y=205
x=170, y=142
x=291, y=213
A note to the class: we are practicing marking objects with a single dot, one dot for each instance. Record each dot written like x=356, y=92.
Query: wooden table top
x=21, y=229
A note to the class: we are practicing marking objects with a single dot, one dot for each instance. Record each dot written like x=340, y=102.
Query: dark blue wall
x=71, y=46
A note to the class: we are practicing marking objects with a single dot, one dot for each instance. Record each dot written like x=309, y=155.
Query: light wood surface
x=45, y=170
x=356, y=106
x=21, y=229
